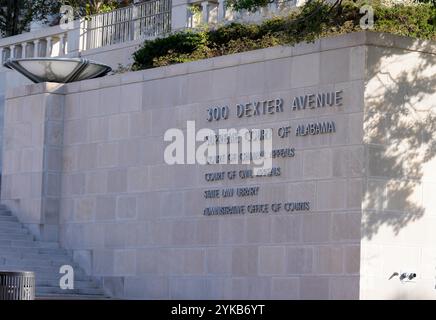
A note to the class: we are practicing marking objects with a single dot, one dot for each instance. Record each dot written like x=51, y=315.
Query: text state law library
x=348, y=208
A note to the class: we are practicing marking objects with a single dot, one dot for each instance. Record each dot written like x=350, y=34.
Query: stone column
x=62, y=44
x=273, y=7
x=23, y=49
x=12, y=49
x=32, y=151
x=221, y=10
x=179, y=15
x=1, y=55
x=48, y=49
x=205, y=12
x=36, y=48
x=75, y=39
x=136, y=26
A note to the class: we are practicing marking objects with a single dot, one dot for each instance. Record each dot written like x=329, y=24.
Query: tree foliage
x=250, y=5
x=89, y=7
x=253, y=5
x=433, y=2
x=16, y=15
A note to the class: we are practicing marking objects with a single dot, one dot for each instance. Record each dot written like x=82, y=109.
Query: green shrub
x=414, y=21
x=250, y=5
x=233, y=31
x=314, y=20
x=180, y=43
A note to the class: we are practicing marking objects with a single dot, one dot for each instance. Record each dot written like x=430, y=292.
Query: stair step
x=8, y=218
x=11, y=255
x=16, y=236
x=40, y=269
x=52, y=276
x=17, y=229
x=57, y=251
x=55, y=276
x=5, y=244
x=20, y=251
x=56, y=290
x=35, y=257
x=33, y=250
x=48, y=296
x=10, y=224
x=29, y=243
x=61, y=256
x=79, y=284
x=26, y=262
x=6, y=250
x=53, y=257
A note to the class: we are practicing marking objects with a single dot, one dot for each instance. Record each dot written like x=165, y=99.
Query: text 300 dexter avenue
x=219, y=309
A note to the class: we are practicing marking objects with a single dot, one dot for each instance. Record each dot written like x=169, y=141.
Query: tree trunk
x=16, y=17
x=12, y=17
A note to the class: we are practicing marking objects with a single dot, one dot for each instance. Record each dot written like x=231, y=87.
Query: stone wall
x=400, y=170
x=8, y=79
x=115, y=55
x=31, y=176
x=138, y=223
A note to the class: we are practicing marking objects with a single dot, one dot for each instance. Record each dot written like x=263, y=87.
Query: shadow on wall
x=400, y=138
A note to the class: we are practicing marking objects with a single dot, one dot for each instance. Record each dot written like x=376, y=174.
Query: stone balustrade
x=48, y=42
x=191, y=14
x=140, y=21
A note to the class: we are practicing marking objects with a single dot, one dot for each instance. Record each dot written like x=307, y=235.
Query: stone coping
x=354, y=39
x=112, y=47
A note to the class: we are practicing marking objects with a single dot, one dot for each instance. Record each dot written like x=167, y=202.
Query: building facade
x=347, y=211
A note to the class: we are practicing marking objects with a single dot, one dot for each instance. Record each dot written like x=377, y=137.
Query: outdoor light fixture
x=61, y=70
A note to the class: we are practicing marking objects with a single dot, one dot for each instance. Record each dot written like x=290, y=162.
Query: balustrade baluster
x=62, y=44
x=24, y=50
x=12, y=50
x=36, y=48
x=49, y=45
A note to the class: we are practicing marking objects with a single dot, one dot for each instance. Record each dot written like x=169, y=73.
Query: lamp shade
x=61, y=70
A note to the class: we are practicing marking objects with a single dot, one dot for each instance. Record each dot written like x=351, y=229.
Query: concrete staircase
x=20, y=251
